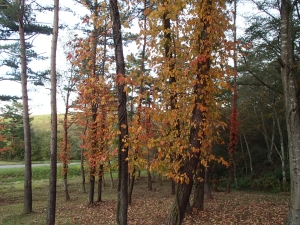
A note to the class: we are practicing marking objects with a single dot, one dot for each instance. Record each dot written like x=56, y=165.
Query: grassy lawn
x=148, y=207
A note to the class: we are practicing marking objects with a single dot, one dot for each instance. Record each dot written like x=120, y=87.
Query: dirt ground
x=147, y=208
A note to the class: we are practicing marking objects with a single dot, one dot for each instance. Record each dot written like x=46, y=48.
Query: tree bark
x=65, y=149
x=53, y=147
x=100, y=182
x=132, y=179
x=249, y=153
x=110, y=175
x=26, y=121
x=122, y=202
x=233, y=136
x=82, y=170
x=207, y=186
x=198, y=202
x=282, y=151
x=290, y=90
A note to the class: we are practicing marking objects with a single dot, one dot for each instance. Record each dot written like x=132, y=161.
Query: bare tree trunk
x=82, y=170
x=65, y=181
x=122, y=203
x=100, y=180
x=110, y=175
x=26, y=121
x=91, y=184
x=282, y=151
x=131, y=184
x=53, y=148
x=173, y=187
x=207, y=187
x=65, y=150
x=291, y=98
x=243, y=155
x=233, y=136
x=149, y=177
x=249, y=153
x=198, y=202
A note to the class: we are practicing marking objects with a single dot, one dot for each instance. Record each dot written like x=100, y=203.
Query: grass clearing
x=148, y=207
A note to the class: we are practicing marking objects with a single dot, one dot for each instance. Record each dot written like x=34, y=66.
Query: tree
x=16, y=17
x=196, y=71
x=289, y=72
x=122, y=203
x=233, y=136
x=50, y=220
x=26, y=122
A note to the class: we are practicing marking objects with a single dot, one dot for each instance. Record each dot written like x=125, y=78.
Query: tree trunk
x=82, y=161
x=110, y=175
x=82, y=172
x=100, y=180
x=207, y=187
x=53, y=147
x=149, y=178
x=290, y=90
x=198, y=202
x=282, y=151
x=243, y=155
x=91, y=185
x=65, y=180
x=233, y=136
x=65, y=151
x=26, y=121
x=122, y=202
x=132, y=179
x=249, y=153
x=173, y=187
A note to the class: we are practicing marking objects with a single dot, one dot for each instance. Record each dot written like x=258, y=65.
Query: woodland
x=202, y=101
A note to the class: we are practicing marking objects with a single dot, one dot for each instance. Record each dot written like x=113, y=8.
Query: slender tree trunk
x=82, y=170
x=110, y=175
x=53, y=147
x=131, y=184
x=173, y=187
x=207, y=187
x=198, y=202
x=243, y=155
x=100, y=180
x=65, y=150
x=65, y=181
x=290, y=90
x=149, y=177
x=282, y=151
x=122, y=203
x=26, y=121
x=233, y=120
x=249, y=153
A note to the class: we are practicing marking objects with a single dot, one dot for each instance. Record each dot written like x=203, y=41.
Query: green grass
x=38, y=173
